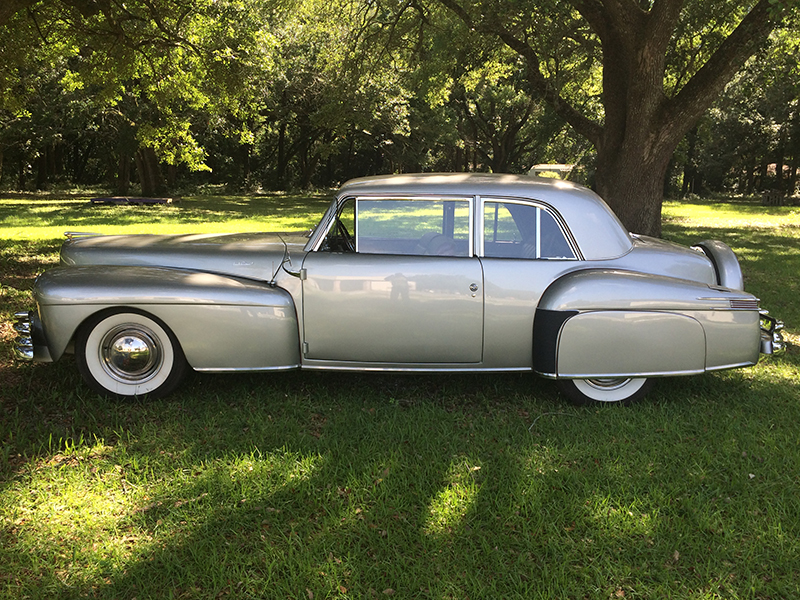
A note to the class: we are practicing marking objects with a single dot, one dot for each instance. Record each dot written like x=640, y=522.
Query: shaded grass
x=325, y=485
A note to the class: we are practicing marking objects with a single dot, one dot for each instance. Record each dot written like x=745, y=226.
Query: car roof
x=585, y=213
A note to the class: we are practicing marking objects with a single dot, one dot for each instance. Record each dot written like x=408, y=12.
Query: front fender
x=612, y=323
x=221, y=322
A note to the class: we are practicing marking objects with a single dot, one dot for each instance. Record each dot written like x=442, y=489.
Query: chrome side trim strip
x=406, y=369
x=247, y=369
x=731, y=366
x=643, y=374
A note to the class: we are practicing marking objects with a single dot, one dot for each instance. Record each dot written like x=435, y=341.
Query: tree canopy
x=285, y=93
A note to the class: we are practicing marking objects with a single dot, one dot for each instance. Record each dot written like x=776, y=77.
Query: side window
x=500, y=231
x=341, y=235
x=413, y=227
x=512, y=230
x=552, y=244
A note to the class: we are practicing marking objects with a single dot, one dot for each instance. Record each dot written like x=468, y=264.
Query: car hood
x=249, y=255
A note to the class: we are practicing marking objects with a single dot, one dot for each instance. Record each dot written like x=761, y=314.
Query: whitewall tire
x=622, y=390
x=126, y=354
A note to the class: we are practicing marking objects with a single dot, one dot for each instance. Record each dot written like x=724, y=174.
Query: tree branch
x=701, y=90
x=8, y=8
x=537, y=81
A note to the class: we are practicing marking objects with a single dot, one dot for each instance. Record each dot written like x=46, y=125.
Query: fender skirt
x=613, y=323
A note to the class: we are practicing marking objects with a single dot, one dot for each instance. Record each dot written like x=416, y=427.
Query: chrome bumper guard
x=23, y=344
x=772, y=341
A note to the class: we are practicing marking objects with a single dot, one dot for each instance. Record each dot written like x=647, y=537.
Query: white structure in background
x=561, y=171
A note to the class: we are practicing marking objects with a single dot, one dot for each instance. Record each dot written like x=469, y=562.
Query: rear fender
x=222, y=323
x=612, y=323
x=726, y=265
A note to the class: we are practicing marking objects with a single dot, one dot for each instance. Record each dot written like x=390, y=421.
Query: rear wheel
x=623, y=390
x=126, y=354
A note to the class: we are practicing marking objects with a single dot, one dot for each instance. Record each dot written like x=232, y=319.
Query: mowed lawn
x=336, y=485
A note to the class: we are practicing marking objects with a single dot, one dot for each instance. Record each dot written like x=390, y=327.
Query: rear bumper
x=772, y=341
x=29, y=343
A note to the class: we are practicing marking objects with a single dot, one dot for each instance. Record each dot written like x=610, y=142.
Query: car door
x=405, y=289
x=523, y=249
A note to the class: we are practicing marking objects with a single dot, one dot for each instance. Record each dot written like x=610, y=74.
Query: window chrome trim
x=565, y=231
x=476, y=204
x=410, y=197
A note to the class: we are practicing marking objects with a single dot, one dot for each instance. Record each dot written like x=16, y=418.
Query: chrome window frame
x=330, y=216
x=480, y=203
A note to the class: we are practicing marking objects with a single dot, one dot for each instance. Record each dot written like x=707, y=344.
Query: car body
x=424, y=272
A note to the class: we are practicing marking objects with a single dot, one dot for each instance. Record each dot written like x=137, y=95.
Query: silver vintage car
x=431, y=272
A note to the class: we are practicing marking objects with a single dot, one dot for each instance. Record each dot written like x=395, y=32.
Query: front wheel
x=125, y=354
x=621, y=390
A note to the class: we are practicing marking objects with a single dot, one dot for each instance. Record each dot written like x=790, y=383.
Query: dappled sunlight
x=278, y=469
x=73, y=513
x=451, y=506
x=97, y=511
x=540, y=460
x=619, y=521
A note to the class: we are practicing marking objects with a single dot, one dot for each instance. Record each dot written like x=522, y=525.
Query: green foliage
x=755, y=123
x=299, y=93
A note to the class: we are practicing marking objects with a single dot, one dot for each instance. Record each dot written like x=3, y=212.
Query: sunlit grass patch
x=67, y=517
x=450, y=508
x=701, y=214
x=48, y=218
x=621, y=521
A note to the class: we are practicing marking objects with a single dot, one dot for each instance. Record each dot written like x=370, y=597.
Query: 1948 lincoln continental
x=432, y=272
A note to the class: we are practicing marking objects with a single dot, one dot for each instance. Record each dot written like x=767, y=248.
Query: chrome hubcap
x=130, y=353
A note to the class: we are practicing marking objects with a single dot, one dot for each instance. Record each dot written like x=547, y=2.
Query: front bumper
x=30, y=344
x=772, y=341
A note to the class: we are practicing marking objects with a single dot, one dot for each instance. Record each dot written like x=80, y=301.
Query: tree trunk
x=172, y=177
x=689, y=169
x=123, y=178
x=779, y=158
x=245, y=151
x=283, y=161
x=751, y=179
x=763, y=170
x=150, y=176
x=633, y=187
x=41, y=170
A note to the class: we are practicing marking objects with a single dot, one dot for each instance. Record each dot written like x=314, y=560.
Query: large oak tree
x=663, y=62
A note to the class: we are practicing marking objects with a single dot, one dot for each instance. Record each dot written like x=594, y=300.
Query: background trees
x=750, y=140
x=285, y=93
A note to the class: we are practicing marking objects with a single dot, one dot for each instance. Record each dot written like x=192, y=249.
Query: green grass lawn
x=331, y=485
